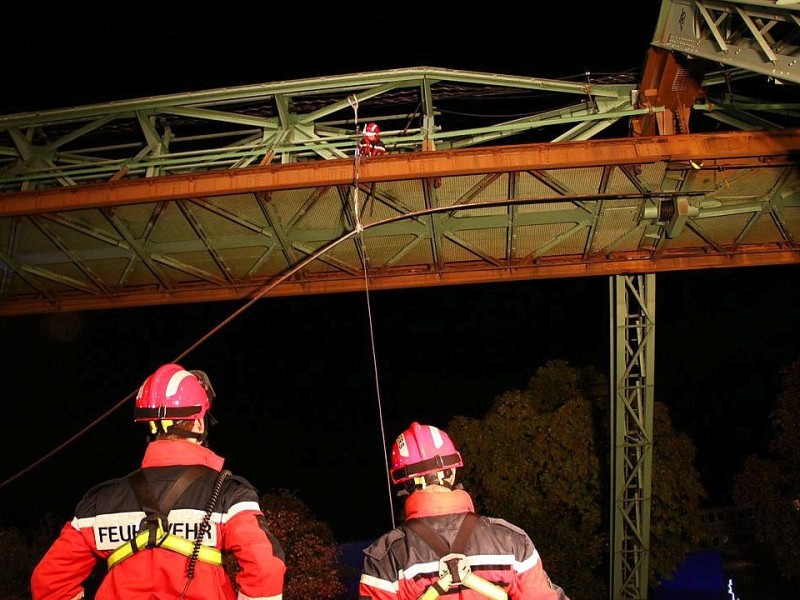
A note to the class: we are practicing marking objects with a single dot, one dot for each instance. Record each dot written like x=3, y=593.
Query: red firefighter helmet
x=172, y=392
x=420, y=450
x=372, y=130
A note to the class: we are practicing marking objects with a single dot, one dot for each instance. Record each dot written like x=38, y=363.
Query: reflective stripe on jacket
x=401, y=566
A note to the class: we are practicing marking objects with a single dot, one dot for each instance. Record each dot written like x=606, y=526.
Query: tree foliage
x=769, y=487
x=18, y=564
x=540, y=458
x=22, y=550
x=313, y=559
x=675, y=524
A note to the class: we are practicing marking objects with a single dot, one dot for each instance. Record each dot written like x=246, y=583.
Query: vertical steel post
x=632, y=366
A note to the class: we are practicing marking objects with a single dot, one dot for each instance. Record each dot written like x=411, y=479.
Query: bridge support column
x=632, y=370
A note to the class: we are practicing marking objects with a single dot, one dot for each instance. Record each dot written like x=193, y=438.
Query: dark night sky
x=298, y=402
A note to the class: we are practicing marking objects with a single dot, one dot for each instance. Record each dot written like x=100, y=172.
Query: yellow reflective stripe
x=170, y=542
x=429, y=594
x=184, y=546
x=126, y=549
x=472, y=581
x=486, y=588
x=444, y=584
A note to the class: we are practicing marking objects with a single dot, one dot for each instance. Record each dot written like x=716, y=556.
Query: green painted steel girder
x=302, y=120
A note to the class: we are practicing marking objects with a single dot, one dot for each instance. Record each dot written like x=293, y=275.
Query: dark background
x=311, y=390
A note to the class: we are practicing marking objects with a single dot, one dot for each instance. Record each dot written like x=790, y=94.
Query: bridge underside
x=598, y=207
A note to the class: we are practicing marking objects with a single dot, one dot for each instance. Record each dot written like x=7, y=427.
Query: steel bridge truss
x=748, y=37
x=307, y=119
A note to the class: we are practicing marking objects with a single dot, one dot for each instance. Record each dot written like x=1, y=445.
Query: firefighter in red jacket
x=161, y=530
x=442, y=546
x=370, y=143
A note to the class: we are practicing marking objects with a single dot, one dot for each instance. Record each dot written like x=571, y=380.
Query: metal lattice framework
x=748, y=36
x=430, y=218
x=311, y=119
x=633, y=340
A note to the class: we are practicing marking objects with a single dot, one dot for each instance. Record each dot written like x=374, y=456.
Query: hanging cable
x=364, y=263
x=353, y=100
x=377, y=384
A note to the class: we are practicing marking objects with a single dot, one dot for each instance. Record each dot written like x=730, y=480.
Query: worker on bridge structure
x=370, y=143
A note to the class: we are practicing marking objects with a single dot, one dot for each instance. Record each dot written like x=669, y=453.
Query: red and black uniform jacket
x=109, y=515
x=400, y=565
x=371, y=147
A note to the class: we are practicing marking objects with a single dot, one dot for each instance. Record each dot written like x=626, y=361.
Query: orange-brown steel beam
x=698, y=147
x=619, y=264
x=670, y=81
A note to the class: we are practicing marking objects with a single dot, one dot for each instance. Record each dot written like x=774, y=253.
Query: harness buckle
x=157, y=529
x=456, y=565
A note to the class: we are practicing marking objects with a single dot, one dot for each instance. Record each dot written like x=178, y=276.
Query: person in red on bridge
x=162, y=529
x=443, y=548
x=370, y=143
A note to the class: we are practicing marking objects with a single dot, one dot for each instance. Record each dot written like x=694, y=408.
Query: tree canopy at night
x=313, y=561
x=540, y=458
x=768, y=487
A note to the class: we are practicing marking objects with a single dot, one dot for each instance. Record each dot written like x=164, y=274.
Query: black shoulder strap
x=438, y=543
x=184, y=481
x=432, y=538
x=143, y=492
x=464, y=533
x=147, y=500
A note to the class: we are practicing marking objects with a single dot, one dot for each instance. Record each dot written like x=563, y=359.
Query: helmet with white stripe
x=172, y=392
x=422, y=450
